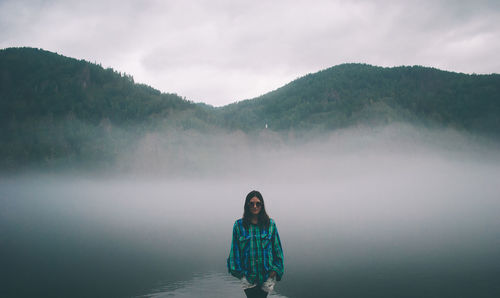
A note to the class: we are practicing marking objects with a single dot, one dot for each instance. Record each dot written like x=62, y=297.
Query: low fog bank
x=213, y=154
x=385, y=211
x=192, y=154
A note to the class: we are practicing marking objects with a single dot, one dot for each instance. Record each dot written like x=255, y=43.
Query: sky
x=223, y=51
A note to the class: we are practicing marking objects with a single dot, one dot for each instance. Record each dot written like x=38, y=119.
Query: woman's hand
x=245, y=284
x=269, y=284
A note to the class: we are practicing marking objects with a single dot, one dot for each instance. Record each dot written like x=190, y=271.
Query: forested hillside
x=351, y=94
x=56, y=110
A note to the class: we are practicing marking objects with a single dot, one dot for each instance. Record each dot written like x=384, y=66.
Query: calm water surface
x=355, y=226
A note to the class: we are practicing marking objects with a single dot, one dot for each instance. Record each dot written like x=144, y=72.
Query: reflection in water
x=204, y=285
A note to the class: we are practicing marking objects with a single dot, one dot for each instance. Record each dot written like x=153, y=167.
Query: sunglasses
x=256, y=204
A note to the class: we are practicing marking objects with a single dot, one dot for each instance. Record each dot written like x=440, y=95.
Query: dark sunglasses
x=257, y=204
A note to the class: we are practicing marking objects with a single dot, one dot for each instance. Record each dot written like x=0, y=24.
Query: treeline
x=56, y=110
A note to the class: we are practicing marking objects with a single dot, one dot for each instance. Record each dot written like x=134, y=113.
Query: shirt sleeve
x=277, y=264
x=234, y=260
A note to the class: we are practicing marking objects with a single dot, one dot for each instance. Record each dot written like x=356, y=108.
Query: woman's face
x=255, y=205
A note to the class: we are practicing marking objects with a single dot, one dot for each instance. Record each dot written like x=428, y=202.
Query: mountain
x=56, y=110
x=350, y=94
x=36, y=83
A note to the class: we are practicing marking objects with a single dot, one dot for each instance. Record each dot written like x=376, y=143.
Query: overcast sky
x=222, y=51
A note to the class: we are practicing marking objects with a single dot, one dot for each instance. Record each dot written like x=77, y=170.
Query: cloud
x=222, y=51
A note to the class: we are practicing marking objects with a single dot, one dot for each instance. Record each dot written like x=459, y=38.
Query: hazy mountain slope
x=54, y=107
x=37, y=83
x=350, y=94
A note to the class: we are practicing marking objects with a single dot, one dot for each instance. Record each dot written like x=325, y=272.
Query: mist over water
x=367, y=212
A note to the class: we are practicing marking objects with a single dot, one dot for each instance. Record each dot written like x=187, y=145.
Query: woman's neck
x=254, y=219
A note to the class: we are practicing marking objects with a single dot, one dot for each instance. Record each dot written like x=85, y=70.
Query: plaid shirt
x=255, y=252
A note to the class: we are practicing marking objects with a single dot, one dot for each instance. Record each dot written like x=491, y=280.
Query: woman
x=256, y=256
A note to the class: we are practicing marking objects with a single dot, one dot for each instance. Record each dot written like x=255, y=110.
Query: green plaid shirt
x=255, y=252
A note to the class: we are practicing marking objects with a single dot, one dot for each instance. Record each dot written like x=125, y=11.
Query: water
x=210, y=284
x=366, y=223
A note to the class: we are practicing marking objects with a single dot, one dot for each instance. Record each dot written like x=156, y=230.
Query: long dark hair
x=247, y=215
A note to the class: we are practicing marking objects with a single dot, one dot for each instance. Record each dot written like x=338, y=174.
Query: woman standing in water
x=256, y=256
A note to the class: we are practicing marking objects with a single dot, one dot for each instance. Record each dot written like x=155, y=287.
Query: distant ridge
x=350, y=94
x=55, y=109
x=37, y=83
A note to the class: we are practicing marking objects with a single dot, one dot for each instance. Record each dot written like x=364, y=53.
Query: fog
x=393, y=211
